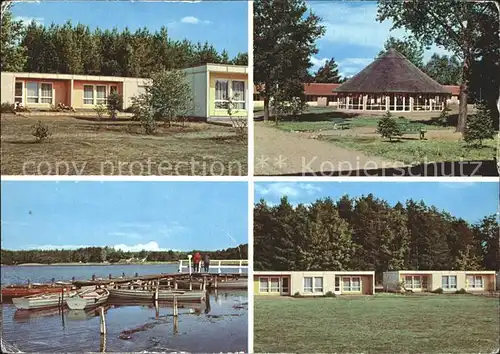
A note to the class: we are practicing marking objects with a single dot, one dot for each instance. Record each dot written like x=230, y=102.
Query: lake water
x=220, y=325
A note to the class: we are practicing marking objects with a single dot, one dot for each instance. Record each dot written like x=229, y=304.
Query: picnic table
x=340, y=123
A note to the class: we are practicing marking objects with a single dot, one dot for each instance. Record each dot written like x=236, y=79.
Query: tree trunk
x=266, y=109
x=463, y=96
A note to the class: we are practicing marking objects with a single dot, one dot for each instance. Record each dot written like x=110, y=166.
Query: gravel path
x=278, y=152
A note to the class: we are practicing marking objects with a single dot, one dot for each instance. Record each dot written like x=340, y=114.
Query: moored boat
x=41, y=301
x=12, y=291
x=167, y=295
x=87, y=299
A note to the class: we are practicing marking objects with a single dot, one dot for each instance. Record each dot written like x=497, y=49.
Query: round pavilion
x=392, y=83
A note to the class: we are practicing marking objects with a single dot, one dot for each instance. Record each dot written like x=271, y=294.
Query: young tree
x=328, y=73
x=167, y=98
x=451, y=24
x=409, y=47
x=444, y=69
x=479, y=126
x=114, y=104
x=284, y=40
x=388, y=128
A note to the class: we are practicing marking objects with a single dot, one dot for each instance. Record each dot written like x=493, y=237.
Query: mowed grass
x=90, y=147
x=379, y=324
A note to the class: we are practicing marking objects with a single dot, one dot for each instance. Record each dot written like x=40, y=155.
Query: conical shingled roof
x=391, y=73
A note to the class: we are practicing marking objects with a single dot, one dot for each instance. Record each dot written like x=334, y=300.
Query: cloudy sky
x=353, y=35
x=195, y=20
x=471, y=201
x=127, y=215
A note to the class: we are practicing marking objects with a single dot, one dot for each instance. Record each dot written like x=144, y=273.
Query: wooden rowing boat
x=166, y=295
x=40, y=301
x=87, y=299
x=13, y=291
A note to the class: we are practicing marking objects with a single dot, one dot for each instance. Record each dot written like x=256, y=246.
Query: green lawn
x=417, y=151
x=379, y=324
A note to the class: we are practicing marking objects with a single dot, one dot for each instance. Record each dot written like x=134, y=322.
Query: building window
x=46, y=93
x=351, y=284
x=264, y=285
x=275, y=285
x=32, y=94
x=313, y=284
x=113, y=89
x=100, y=95
x=88, y=94
x=221, y=94
x=449, y=282
x=18, y=92
x=238, y=94
x=413, y=282
x=475, y=282
x=318, y=285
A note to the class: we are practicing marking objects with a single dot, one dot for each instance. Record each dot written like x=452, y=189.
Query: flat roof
x=345, y=272
x=442, y=271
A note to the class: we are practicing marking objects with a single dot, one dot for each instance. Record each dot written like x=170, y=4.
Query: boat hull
x=13, y=292
x=165, y=295
x=39, y=301
x=82, y=302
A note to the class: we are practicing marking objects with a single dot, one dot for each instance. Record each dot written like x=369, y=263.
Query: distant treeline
x=76, y=49
x=109, y=254
x=369, y=234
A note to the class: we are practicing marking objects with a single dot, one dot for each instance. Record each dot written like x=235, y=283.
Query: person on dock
x=196, y=261
x=206, y=263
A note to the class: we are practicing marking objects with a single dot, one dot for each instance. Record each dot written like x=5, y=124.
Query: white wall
x=131, y=88
x=7, y=87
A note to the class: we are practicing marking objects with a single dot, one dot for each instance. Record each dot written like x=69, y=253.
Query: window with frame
x=449, y=282
x=318, y=285
x=308, y=284
x=275, y=285
x=263, y=285
x=221, y=94
x=101, y=97
x=351, y=284
x=413, y=281
x=475, y=282
x=238, y=98
x=113, y=89
x=88, y=94
x=32, y=92
x=46, y=93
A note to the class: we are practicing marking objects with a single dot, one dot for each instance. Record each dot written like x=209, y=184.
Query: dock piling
x=176, y=310
x=190, y=283
x=93, y=277
x=157, y=291
x=175, y=283
x=136, y=274
x=29, y=284
x=215, y=281
x=53, y=281
x=62, y=297
x=102, y=322
x=110, y=276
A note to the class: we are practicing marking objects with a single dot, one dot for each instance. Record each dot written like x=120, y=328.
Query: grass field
x=441, y=142
x=378, y=324
x=90, y=147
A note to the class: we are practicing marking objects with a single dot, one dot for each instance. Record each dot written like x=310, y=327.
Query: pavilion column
x=365, y=100
x=431, y=101
x=411, y=103
x=347, y=102
x=395, y=102
x=387, y=102
x=404, y=99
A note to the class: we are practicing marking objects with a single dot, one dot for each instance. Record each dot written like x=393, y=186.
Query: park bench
x=412, y=128
x=340, y=123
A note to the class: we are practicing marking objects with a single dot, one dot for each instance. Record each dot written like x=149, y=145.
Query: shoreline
x=87, y=264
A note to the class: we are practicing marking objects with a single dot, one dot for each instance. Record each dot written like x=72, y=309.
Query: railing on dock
x=240, y=264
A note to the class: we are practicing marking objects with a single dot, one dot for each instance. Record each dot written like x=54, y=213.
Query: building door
x=19, y=93
x=337, y=289
x=285, y=286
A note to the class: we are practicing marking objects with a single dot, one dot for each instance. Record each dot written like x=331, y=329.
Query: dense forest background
x=76, y=49
x=111, y=255
x=368, y=233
